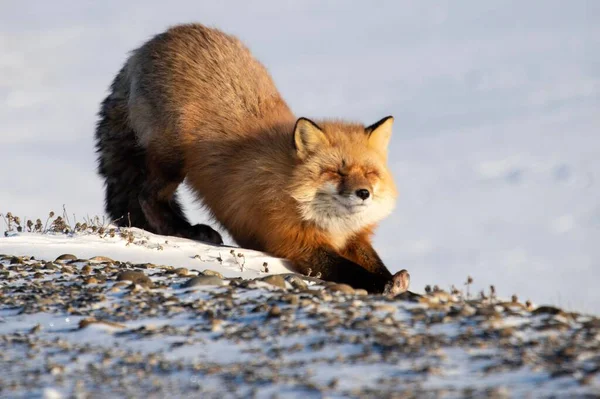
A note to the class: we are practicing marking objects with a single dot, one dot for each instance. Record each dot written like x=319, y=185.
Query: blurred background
x=496, y=147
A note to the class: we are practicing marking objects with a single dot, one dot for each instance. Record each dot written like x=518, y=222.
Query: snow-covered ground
x=496, y=148
x=147, y=248
x=72, y=325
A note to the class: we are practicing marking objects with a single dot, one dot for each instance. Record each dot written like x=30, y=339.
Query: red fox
x=193, y=103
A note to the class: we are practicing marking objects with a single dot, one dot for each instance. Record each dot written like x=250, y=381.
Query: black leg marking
x=334, y=267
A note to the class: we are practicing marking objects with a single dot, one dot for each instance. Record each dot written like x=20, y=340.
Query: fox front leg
x=334, y=267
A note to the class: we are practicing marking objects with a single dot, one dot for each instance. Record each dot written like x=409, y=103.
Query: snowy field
x=496, y=148
x=88, y=316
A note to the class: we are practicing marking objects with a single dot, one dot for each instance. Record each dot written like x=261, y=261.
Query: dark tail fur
x=121, y=160
x=132, y=197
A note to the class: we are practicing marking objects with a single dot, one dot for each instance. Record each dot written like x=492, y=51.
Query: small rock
x=275, y=311
x=16, y=260
x=276, y=280
x=87, y=269
x=408, y=296
x=145, y=265
x=487, y=312
x=548, y=310
x=91, y=280
x=50, y=266
x=38, y=275
x=291, y=299
x=306, y=302
x=343, y=288
x=135, y=277
x=66, y=257
x=592, y=324
x=297, y=282
x=91, y=320
x=241, y=283
x=323, y=295
x=506, y=332
x=216, y=325
x=360, y=292
x=102, y=259
x=202, y=280
x=181, y=272
x=209, y=272
x=384, y=307
x=36, y=329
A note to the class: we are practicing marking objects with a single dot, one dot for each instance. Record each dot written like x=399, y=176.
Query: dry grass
x=63, y=224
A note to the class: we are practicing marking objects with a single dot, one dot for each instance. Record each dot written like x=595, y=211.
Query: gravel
x=97, y=327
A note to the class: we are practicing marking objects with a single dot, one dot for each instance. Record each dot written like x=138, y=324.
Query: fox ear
x=308, y=137
x=379, y=134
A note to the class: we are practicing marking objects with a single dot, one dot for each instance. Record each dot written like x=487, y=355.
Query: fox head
x=341, y=181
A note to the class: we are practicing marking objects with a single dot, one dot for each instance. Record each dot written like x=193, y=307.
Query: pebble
x=291, y=299
x=16, y=260
x=36, y=329
x=202, y=280
x=104, y=259
x=297, y=282
x=216, y=325
x=410, y=297
x=209, y=272
x=276, y=280
x=135, y=277
x=384, y=307
x=91, y=280
x=551, y=310
x=182, y=271
x=91, y=320
x=65, y=257
x=50, y=266
x=275, y=311
x=87, y=269
x=343, y=288
x=487, y=312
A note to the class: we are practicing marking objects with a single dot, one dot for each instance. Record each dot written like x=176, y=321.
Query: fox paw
x=398, y=284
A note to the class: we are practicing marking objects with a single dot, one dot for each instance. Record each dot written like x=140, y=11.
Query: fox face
x=341, y=182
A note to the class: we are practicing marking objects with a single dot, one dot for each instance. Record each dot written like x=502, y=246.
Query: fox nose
x=363, y=194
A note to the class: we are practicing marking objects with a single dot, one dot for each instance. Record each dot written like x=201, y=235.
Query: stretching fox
x=193, y=103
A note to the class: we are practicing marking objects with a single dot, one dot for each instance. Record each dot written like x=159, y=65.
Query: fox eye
x=332, y=171
x=372, y=173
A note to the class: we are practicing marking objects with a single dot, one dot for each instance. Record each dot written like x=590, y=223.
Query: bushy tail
x=121, y=161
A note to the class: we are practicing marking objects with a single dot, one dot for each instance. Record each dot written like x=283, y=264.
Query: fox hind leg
x=162, y=208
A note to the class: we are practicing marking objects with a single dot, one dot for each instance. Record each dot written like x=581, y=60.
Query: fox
x=193, y=105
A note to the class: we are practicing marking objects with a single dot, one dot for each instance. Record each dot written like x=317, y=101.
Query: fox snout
x=356, y=187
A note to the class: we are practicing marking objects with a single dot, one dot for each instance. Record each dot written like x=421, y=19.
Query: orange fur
x=196, y=97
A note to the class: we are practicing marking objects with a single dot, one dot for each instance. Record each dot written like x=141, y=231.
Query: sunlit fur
x=325, y=184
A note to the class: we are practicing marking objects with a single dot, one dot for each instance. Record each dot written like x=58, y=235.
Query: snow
x=496, y=145
x=359, y=358
x=174, y=251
